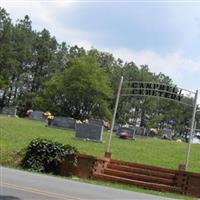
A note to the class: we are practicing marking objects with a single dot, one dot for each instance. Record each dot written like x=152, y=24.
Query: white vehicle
x=196, y=139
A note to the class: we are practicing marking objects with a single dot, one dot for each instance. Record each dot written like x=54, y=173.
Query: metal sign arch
x=159, y=90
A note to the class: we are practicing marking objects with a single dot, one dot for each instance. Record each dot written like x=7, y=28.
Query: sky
x=165, y=35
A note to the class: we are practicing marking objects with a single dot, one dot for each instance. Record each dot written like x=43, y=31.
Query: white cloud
x=63, y=4
x=41, y=12
x=48, y=14
x=173, y=65
x=83, y=43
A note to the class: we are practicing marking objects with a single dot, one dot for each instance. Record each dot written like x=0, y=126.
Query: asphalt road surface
x=20, y=185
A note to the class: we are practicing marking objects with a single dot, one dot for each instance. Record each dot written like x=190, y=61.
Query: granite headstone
x=64, y=122
x=140, y=131
x=98, y=122
x=37, y=115
x=116, y=127
x=12, y=111
x=89, y=131
x=167, y=134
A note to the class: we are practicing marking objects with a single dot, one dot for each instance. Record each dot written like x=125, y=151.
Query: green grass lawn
x=16, y=134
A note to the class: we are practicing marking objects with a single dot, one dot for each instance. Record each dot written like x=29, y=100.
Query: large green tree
x=7, y=58
x=81, y=91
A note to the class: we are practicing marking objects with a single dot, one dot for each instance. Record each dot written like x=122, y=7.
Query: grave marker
x=167, y=134
x=98, y=122
x=64, y=122
x=140, y=131
x=9, y=111
x=89, y=131
x=37, y=115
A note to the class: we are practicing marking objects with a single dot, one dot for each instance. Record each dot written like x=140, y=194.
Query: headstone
x=116, y=127
x=130, y=132
x=167, y=134
x=98, y=122
x=89, y=131
x=140, y=131
x=37, y=115
x=12, y=111
x=64, y=122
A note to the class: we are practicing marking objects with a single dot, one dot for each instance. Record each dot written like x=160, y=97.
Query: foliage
x=81, y=91
x=45, y=155
x=39, y=73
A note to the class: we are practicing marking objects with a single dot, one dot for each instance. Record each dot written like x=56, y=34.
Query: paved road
x=20, y=185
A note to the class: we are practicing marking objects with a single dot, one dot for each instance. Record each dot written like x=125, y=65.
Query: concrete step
x=143, y=166
x=147, y=185
x=138, y=176
x=149, y=172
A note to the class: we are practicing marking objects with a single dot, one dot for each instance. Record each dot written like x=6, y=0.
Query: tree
x=7, y=58
x=44, y=49
x=82, y=91
x=22, y=46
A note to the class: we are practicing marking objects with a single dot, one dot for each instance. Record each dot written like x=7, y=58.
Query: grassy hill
x=16, y=134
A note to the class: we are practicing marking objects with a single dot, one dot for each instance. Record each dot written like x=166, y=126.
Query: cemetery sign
x=159, y=90
x=138, y=88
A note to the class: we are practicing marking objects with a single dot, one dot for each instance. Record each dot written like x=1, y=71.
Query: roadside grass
x=17, y=133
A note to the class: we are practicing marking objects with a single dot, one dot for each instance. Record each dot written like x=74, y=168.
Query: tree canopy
x=39, y=73
x=80, y=91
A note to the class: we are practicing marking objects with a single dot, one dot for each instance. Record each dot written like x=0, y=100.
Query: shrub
x=45, y=155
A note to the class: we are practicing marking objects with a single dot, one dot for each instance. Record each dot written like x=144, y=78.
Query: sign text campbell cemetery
x=152, y=89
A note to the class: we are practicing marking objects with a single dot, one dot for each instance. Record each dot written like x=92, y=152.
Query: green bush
x=45, y=155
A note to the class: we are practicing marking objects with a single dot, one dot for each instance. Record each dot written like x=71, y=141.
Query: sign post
x=1, y=24
x=191, y=131
x=114, y=114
